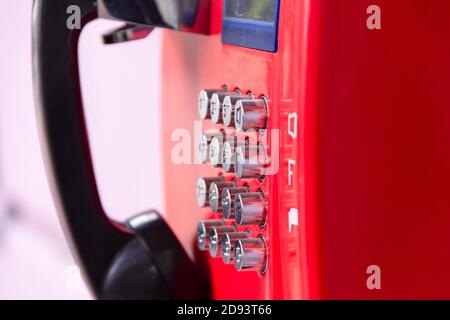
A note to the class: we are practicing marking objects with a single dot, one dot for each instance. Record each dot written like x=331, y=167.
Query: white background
x=121, y=96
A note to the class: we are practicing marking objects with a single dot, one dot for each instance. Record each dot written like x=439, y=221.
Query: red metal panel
x=372, y=152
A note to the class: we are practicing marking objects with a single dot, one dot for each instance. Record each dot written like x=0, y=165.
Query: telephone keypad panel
x=239, y=212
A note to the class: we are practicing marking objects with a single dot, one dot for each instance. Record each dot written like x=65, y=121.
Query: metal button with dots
x=204, y=144
x=228, y=154
x=250, y=255
x=234, y=202
x=216, y=106
x=251, y=114
x=204, y=101
x=215, y=191
x=203, y=185
x=250, y=208
x=227, y=199
x=229, y=108
x=203, y=228
x=215, y=151
x=227, y=244
x=215, y=237
x=249, y=161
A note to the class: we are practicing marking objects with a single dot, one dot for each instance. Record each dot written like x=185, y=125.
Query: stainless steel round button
x=203, y=105
x=250, y=209
x=247, y=162
x=227, y=199
x=251, y=114
x=228, y=156
x=203, y=185
x=250, y=255
x=215, y=191
x=215, y=236
x=203, y=228
x=204, y=102
x=204, y=146
x=217, y=106
x=229, y=107
x=227, y=244
x=215, y=151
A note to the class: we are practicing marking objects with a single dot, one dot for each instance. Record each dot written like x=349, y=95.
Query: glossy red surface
x=372, y=154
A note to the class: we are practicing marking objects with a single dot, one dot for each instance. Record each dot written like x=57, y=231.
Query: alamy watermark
x=73, y=21
x=374, y=19
x=193, y=147
x=374, y=279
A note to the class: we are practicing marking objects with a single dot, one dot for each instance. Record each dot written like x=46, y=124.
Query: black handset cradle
x=139, y=259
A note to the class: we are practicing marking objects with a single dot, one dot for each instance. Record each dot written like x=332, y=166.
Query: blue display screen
x=251, y=24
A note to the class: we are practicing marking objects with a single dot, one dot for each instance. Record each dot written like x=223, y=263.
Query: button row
x=221, y=239
x=233, y=109
x=234, y=202
x=244, y=160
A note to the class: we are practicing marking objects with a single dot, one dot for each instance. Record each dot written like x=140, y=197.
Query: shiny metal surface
x=215, y=151
x=217, y=106
x=215, y=191
x=250, y=255
x=229, y=107
x=203, y=228
x=182, y=15
x=203, y=185
x=204, y=102
x=227, y=200
x=228, y=153
x=227, y=244
x=215, y=237
x=204, y=146
x=247, y=162
x=251, y=114
x=250, y=209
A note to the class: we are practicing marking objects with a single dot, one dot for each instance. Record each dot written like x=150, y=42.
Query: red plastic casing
x=371, y=179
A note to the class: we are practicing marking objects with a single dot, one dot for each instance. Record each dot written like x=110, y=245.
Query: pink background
x=120, y=89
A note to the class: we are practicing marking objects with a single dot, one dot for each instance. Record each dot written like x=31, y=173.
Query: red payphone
x=321, y=149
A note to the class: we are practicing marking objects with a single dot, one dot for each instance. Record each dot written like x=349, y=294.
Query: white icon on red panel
x=292, y=125
x=293, y=218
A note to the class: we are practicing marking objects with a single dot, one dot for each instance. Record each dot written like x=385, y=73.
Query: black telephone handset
x=139, y=259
